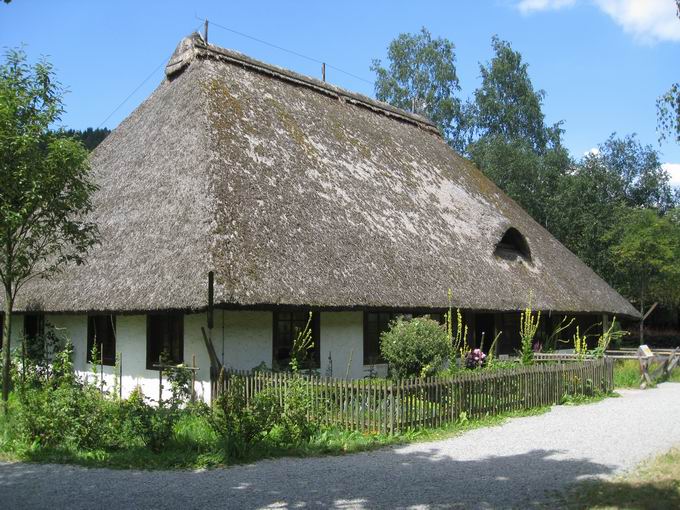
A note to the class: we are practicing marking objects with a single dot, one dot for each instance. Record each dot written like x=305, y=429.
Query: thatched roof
x=297, y=192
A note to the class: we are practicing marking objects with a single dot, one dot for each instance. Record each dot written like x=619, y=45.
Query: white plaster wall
x=194, y=345
x=243, y=339
x=131, y=344
x=342, y=336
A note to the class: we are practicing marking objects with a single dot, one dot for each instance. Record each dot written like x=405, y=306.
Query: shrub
x=416, y=347
x=297, y=421
x=57, y=410
x=266, y=419
x=140, y=422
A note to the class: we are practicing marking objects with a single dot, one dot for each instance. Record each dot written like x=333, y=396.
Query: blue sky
x=602, y=63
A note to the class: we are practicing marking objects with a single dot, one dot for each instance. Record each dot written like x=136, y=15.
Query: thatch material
x=296, y=192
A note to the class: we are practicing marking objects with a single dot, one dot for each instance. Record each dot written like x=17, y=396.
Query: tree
x=510, y=142
x=45, y=196
x=642, y=182
x=599, y=190
x=90, y=138
x=422, y=78
x=507, y=106
x=668, y=109
x=646, y=252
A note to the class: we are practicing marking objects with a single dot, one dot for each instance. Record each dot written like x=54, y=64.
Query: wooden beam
x=649, y=311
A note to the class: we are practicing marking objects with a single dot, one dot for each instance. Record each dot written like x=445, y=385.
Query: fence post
x=193, y=378
x=160, y=382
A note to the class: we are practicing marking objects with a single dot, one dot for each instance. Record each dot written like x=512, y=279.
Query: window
x=512, y=245
x=34, y=331
x=164, y=335
x=287, y=325
x=376, y=323
x=102, y=330
x=34, y=326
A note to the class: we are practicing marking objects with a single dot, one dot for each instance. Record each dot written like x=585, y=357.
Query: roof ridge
x=194, y=46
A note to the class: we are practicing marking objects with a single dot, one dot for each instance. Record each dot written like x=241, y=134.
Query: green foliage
x=421, y=77
x=668, y=109
x=612, y=336
x=528, y=177
x=45, y=196
x=416, y=347
x=580, y=344
x=457, y=335
x=645, y=251
x=668, y=114
x=90, y=138
x=302, y=344
x=528, y=326
x=507, y=106
x=555, y=335
x=510, y=141
x=267, y=421
x=503, y=130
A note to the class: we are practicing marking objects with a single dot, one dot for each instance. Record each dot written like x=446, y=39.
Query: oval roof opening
x=513, y=245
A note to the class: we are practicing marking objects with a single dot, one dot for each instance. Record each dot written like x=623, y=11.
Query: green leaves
x=509, y=140
x=46, y=186
x=416, y=347
x=646, y=254
x=44, y=205
x=506, y=105
x=422, y=78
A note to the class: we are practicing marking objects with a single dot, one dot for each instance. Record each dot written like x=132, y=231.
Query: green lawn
x=627, y=374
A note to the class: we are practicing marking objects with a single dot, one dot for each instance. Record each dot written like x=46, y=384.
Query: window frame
x=91, y=318
x=315, y=360
x=169, y=326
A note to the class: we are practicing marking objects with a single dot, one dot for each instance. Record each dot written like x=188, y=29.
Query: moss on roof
x=297, y=192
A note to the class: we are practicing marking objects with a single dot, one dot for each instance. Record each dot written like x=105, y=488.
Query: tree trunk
x=642, y=321
x=6, y=333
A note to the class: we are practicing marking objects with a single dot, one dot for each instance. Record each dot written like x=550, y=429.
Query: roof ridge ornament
x=184, y=54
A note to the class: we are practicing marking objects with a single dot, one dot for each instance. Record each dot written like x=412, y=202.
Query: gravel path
x=516, y=465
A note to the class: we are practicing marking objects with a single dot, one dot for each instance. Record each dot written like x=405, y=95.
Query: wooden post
x=101, y=367
x=193, y=377
x=323, y=71
x=120, y=376
x=205, y=32
x=160, y=382
x=23, y=359
x=211, y=299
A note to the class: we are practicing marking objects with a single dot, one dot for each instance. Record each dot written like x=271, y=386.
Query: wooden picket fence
x=387, y=406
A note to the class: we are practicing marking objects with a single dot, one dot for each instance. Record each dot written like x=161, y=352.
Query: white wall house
x=292, y=194
x=242, y=340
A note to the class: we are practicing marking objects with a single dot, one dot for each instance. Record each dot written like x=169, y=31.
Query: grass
x=196, y=446
x=627, y=374
x=655, y=484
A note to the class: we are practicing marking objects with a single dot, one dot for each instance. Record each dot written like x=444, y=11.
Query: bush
x=266, y=420
x=415, y=348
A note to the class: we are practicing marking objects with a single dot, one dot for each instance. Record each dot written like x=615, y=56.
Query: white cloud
x=592, y=152
x=647, y=21
x=673, y=170
x=527, y=6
